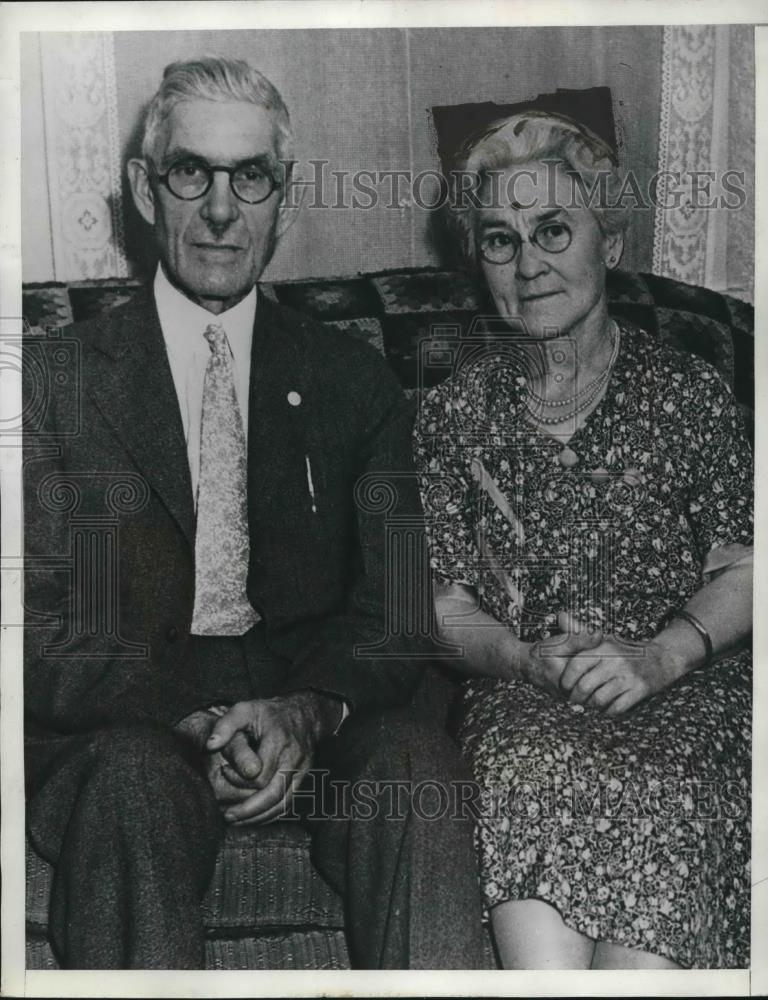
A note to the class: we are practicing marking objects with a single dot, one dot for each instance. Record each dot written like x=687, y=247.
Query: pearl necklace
x=583, y=398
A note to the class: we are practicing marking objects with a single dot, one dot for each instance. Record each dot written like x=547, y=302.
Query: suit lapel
x=280, y=402
x=131, y=382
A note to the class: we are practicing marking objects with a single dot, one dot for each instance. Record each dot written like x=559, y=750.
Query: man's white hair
x=215, y=78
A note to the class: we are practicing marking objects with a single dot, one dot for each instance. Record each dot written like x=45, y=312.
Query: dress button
x=172, y=634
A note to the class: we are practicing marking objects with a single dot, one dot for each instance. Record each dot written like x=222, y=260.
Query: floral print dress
x=636, y=828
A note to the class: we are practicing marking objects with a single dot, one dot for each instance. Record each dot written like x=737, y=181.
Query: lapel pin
x=294, y=398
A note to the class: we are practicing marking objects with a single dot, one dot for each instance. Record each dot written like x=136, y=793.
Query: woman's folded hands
x=598, y=670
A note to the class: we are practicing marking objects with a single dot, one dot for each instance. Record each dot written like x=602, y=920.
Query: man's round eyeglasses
x=501, y=247
x=190, y=179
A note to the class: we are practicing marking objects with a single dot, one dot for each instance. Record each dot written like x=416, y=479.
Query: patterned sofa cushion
x=414, y=305
x=263, y=879
x=266, y=906
x=291, y=949
x=47, y=305
x=396, y=310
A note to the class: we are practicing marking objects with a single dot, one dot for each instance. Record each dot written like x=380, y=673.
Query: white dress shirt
x=184, y=323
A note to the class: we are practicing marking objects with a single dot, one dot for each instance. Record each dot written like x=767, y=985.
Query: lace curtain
x=707, y=126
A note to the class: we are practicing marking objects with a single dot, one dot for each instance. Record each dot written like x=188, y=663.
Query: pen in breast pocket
x=310, y=484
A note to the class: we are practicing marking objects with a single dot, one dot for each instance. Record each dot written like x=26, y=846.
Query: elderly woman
x=588, y=499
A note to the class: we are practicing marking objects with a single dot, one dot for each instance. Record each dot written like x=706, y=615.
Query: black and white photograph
x=378, y=501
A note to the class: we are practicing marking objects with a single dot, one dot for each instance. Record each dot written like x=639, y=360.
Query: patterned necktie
x=221, y=540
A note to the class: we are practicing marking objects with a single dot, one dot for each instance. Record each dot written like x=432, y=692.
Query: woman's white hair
x=537, y=135
x=215, y=78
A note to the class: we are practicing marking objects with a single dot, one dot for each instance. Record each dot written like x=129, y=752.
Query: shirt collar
x=183, y=321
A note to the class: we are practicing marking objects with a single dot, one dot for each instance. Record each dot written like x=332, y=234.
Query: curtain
x=706, y=236
x=70, y=148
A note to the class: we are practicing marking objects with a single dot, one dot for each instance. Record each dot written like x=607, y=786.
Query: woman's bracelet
x=705, y=637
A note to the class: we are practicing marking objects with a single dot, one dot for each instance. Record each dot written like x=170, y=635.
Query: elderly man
x=246, y=578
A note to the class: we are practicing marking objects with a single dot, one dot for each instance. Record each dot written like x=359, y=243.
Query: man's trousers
x=128, y=819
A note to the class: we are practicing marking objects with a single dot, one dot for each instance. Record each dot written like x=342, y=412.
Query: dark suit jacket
x=318, y=578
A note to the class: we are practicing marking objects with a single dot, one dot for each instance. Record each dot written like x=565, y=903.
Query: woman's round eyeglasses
x=501, y=247
x=190, y=179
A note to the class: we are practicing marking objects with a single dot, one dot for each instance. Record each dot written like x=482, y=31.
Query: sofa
x=267, y=907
